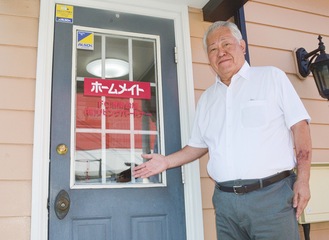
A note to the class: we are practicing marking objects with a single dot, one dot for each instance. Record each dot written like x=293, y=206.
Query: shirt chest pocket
x=254, y=114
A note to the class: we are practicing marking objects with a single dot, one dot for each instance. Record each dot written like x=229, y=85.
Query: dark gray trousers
x=264, y=214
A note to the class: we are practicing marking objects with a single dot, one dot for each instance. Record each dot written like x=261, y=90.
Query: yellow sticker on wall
x=85, y=40
x=64, y=13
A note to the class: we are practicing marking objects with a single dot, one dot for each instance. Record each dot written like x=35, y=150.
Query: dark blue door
x=114, y=96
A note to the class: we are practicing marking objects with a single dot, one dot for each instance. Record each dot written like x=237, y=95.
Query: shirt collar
x=243, y=72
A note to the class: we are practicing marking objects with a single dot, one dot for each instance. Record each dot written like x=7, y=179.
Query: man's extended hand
x=156, y=164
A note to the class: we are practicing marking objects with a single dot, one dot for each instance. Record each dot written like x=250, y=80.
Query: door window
x=116, y=107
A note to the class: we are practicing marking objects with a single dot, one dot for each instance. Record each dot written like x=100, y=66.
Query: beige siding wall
x=274, y=28
x=18, y=47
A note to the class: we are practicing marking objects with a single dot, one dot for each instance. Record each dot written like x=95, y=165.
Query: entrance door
x=114, y=96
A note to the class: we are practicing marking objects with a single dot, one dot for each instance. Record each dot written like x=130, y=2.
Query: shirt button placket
x=229, y=125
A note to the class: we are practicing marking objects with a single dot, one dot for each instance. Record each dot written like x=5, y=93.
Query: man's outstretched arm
x=158, y=163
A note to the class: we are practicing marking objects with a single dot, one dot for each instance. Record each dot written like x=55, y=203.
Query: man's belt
x=261, y=183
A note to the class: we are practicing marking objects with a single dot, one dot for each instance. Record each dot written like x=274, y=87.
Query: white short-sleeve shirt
x=246, y=125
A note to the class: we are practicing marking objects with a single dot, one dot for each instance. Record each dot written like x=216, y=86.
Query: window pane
x=88, y=110
x=111, y=133
x=88, y=158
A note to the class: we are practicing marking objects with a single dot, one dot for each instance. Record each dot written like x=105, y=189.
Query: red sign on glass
x=116, y=88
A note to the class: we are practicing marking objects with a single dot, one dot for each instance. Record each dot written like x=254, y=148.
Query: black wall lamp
x=319, y=68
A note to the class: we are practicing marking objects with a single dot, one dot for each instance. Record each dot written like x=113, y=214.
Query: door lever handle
x=62, y=204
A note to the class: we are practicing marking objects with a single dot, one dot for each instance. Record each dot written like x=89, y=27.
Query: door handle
x=62, y=204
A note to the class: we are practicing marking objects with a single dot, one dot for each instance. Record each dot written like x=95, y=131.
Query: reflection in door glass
x=113, y=130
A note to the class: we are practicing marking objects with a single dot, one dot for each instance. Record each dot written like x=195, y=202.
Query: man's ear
x=243, y=45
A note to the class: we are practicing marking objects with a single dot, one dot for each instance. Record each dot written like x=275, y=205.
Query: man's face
x=225, y=53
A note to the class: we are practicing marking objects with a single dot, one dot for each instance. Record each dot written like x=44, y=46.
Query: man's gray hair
x=233, y=28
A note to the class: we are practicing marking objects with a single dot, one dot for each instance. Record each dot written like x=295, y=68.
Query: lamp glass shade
x=320, y=71
x=113, y=68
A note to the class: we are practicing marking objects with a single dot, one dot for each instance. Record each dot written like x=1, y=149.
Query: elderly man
x=256, y=130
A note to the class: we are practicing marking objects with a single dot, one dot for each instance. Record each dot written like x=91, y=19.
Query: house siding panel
x=209, y=224
x=287, y=18
x=279, y=58
x=320, y=8
x=320, y=135
x=10, y=86
x=15, y=228
x=207, y=187
x=18, y=61
x=204, y=76
x=198, y=56
x=306, y=88
x=16, y=162
x=15, y=195
x=271, y=37
x=18, y=47
x=22, y=8
x=197, y=25
x=20, y=31
x=16, y=127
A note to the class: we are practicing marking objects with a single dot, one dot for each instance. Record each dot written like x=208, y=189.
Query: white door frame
x=191, y=173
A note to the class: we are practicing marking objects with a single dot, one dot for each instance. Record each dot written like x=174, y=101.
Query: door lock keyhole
x=62, y=204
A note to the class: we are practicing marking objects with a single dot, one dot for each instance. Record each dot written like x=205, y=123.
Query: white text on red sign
x=117, y=88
